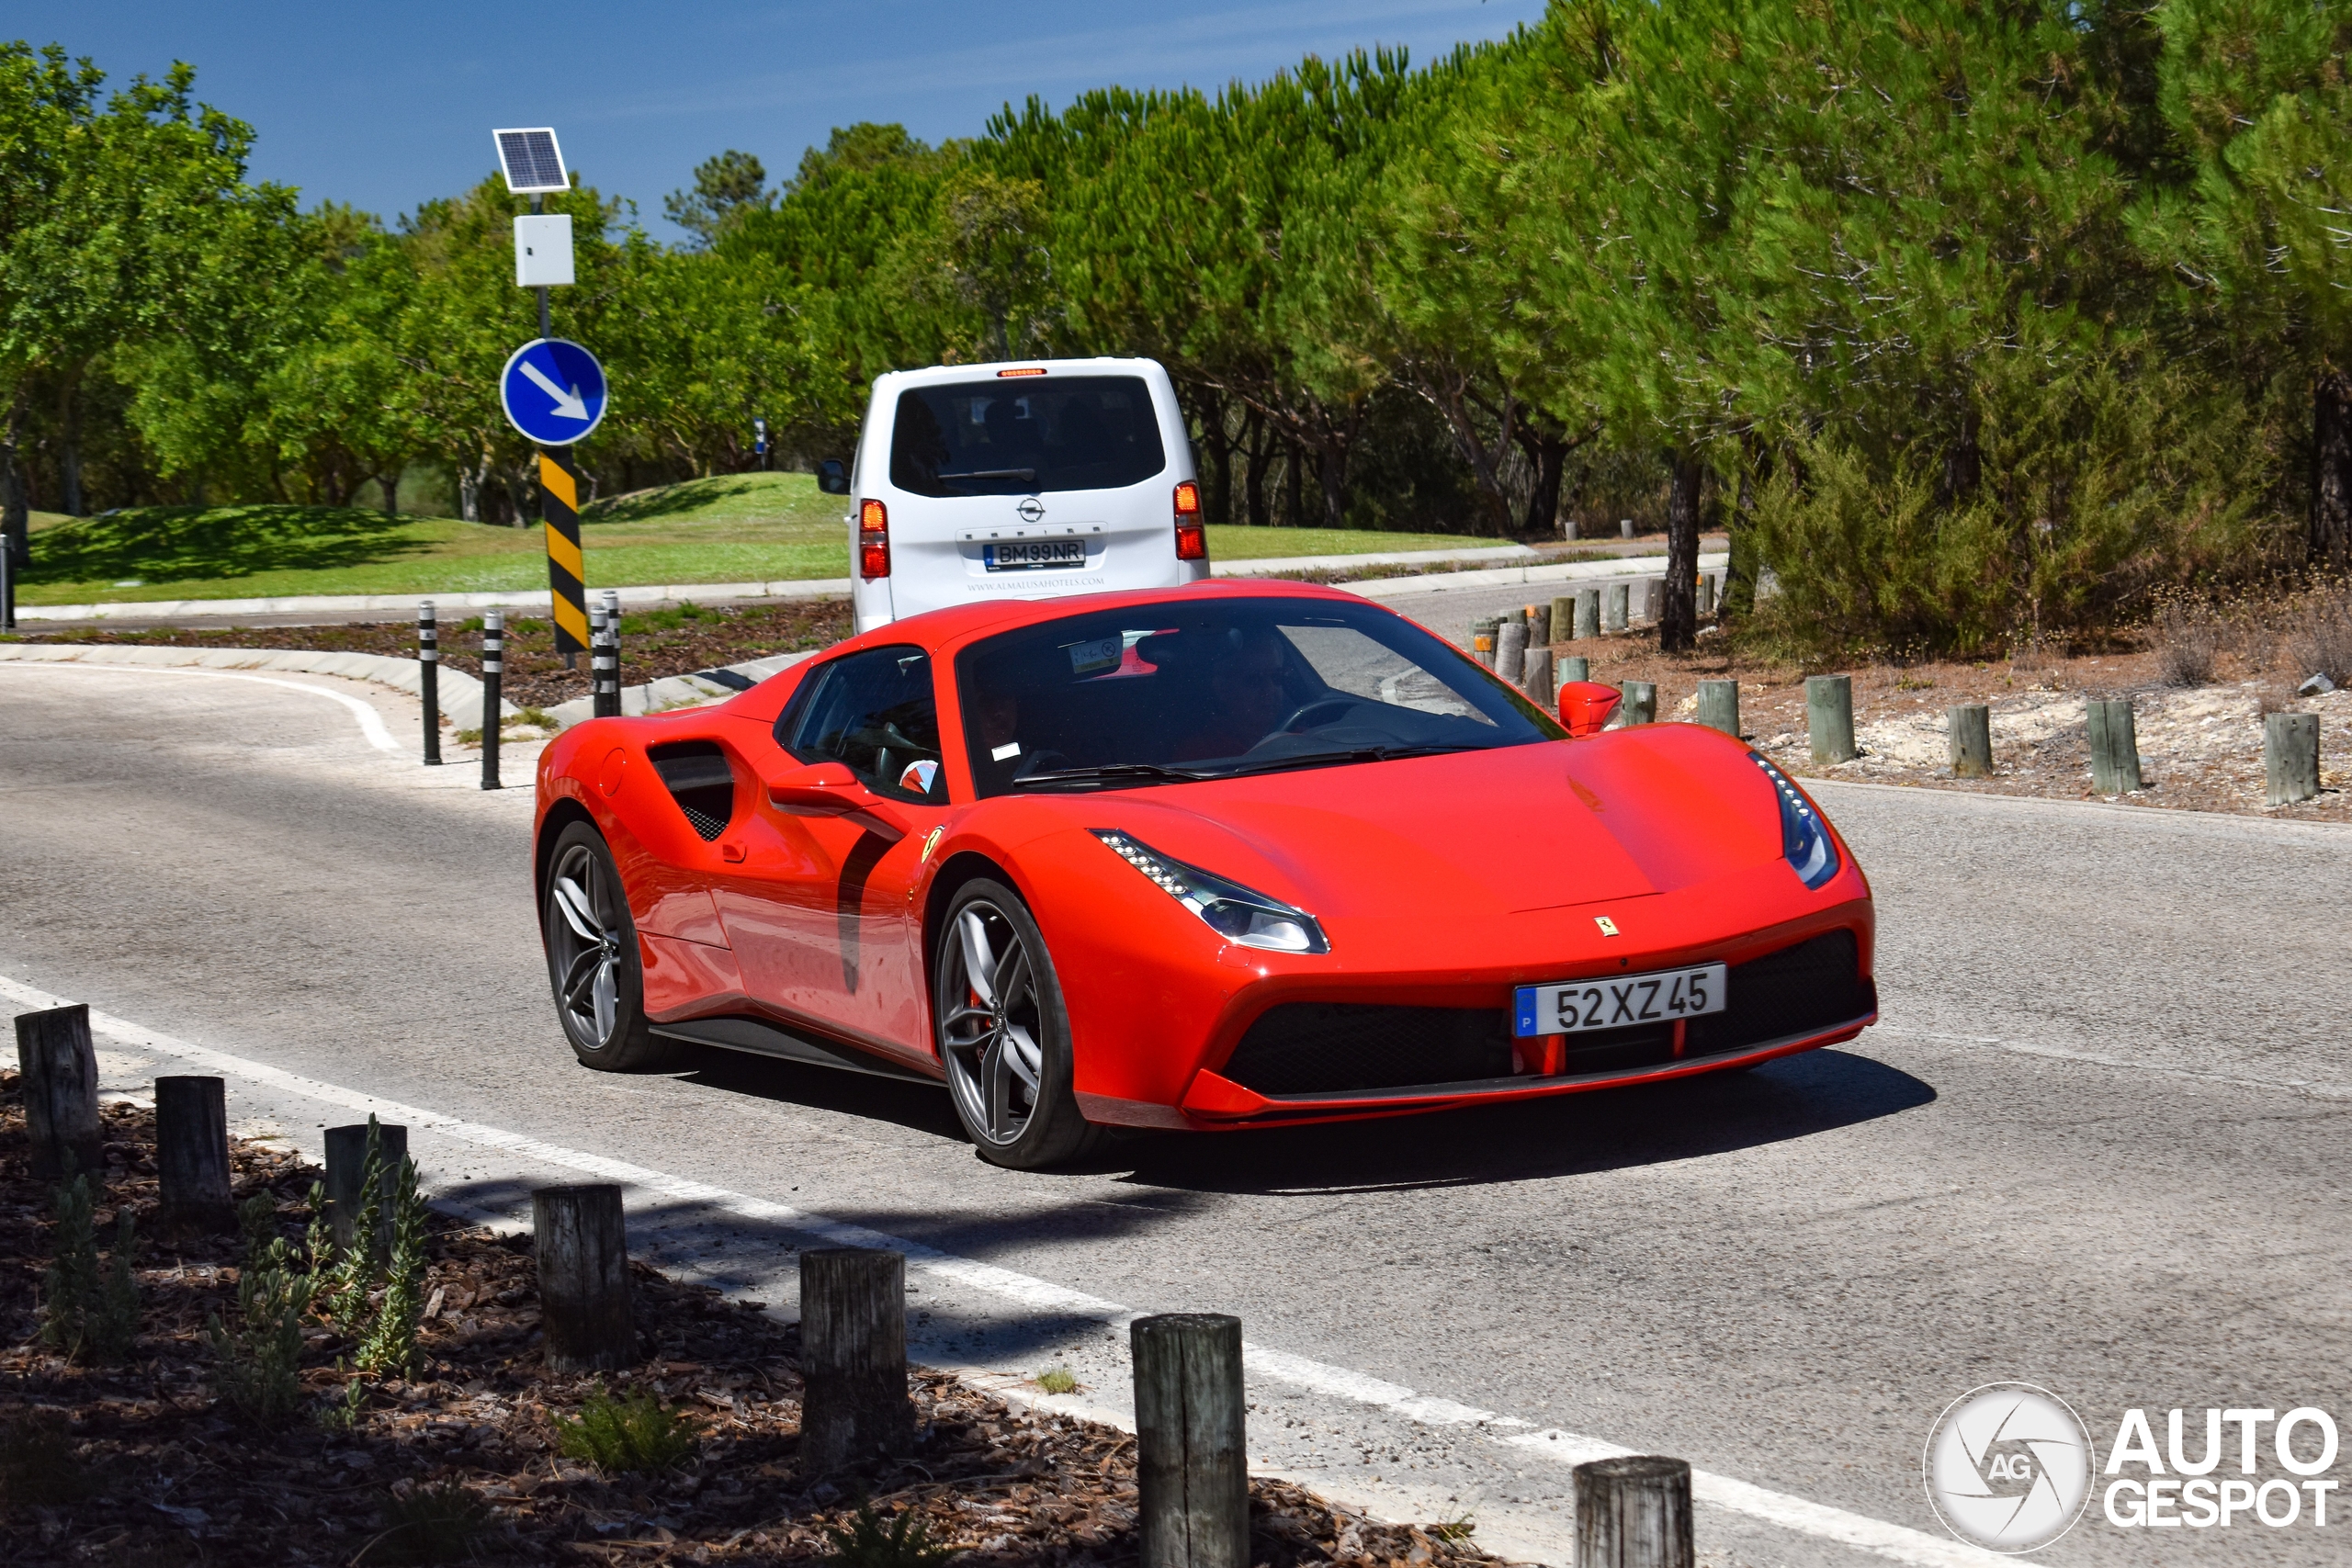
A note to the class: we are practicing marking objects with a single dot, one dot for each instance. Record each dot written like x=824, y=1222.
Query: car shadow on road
x=1620, y=1128
x=1796, y=1097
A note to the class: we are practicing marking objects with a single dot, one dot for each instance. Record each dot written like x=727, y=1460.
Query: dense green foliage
x=1969, y=318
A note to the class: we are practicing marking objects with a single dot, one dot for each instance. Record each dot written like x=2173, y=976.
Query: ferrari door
x=817, y=908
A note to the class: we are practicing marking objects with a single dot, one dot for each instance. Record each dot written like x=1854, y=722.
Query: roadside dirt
x=2201, y=746
x=654, y=645
x=140, y=1464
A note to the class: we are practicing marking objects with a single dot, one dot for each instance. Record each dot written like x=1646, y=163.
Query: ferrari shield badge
x=1607, y=927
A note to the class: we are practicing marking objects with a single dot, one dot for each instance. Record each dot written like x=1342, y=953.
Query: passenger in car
x=1246, y=696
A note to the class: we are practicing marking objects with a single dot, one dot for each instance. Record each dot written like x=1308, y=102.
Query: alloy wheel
x=990, y=1027
x=584, y=940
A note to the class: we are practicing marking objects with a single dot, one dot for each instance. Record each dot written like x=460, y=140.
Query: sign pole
x=567, y=568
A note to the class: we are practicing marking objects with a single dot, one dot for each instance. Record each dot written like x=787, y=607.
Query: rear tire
x=592, y=963
x=1003, y=1032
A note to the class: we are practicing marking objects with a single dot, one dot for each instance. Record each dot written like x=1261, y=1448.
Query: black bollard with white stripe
x=428, y=664
x=493, y=658
x=596, y=661
x=613, y=642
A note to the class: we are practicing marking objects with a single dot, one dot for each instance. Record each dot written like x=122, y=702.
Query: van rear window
x=1024, y=437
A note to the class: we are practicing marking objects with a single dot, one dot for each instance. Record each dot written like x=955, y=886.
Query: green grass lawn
x=734, y=529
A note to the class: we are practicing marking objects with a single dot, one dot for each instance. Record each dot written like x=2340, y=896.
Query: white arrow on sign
x=570, y=405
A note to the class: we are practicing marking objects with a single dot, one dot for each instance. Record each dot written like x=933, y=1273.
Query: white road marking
x=1896, y=1543
x=371, y=723
x=2316, y=1089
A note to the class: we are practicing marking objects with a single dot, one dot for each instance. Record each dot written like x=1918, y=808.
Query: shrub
x=2092, y=505
x=2187, y=646
x=638, y=1433
x=866, y=1544
x=258, y=1358
x=432, y=1524
x=1058, y=1380
x=86, y=1311
x=2321, y=643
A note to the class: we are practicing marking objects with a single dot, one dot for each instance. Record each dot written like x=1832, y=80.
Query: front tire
x=592, y=963
x=1003, y=1032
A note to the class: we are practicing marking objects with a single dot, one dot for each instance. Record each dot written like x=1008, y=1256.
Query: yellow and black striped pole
x=567, y=570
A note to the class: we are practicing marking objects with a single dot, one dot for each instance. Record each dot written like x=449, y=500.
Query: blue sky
x=384, y=106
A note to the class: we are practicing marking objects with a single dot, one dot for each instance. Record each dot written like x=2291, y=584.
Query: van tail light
x=1191, y=539
x=873, y=540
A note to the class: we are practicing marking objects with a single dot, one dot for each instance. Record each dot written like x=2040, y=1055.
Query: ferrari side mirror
x=1587, y=707
x=829, y=789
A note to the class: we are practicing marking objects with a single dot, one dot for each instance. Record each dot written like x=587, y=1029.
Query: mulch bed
x=654, y=644
x=140, y=1464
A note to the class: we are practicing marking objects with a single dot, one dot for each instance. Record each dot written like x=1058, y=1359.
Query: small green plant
x=342, y=1413
x=37, y=1466
x=84, y=1311
x=868, y=1543
x=431, y=1524
x=638, y=1433
x=259, y=1356
x=1456, y=1529
x=391, y=1343
x=348, y=1283
x=1058, y=1380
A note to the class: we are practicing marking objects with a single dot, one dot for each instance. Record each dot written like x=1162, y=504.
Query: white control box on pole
x=543, y=250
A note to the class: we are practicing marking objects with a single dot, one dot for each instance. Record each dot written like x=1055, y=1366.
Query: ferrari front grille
x=1311, y=1048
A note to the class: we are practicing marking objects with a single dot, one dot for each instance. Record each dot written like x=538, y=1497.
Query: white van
x=1025, y=481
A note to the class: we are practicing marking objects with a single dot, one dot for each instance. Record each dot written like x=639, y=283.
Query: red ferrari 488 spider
x=1220, y=856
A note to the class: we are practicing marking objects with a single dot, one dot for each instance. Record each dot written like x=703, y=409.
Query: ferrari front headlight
x=1804, y=837
x=1233, y=911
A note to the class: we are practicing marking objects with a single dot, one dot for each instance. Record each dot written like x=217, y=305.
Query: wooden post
x=192, y=1158
x=1588, y=613
x=1538, y=685
x=1829, y=718
x=582, y=1241
x=1539, y=626
x=2115, y=747
x=1191, y=1463
x=1573, y=667
x=1481, y=639
x=1972, y=741
x=1616, y=609
x=347, y=1167
x=2290, y=758
x=1719, y=705
x=1653, y=598
x=1633, y=1512
x=1640, y=705
x=1564, y=618
x=1706, y=594
x=852, y=1358
x=1510, y=650
x=61, y=1073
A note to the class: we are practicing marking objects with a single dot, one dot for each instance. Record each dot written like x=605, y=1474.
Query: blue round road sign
x=553, y=390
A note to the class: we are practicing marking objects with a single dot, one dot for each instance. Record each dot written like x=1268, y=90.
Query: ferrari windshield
x=1198, y=690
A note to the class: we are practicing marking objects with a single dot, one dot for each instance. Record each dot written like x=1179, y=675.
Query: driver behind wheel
x=1247, y=695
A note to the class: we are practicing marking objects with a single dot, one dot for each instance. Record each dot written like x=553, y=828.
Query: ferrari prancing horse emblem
x=1607, y=927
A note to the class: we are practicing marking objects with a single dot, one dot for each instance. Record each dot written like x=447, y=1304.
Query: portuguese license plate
x=1028, y=554
x=1618, y=1001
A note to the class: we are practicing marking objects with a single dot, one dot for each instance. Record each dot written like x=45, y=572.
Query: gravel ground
x=2200, y=747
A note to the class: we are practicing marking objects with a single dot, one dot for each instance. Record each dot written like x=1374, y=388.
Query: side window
x=876, y=712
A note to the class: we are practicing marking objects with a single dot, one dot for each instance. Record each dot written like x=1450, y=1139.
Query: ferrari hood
x=1471, y=834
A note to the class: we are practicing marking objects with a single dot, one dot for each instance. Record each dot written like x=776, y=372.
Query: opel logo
x=1031, y=510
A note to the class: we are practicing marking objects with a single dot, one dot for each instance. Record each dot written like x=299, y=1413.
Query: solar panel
x=532, y=161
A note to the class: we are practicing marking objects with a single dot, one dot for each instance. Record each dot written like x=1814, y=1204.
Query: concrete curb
x=682, y=691
x=1503, y=577
x=460, y=693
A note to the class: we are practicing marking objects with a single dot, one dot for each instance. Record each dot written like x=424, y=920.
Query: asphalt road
x=2099, y=1144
